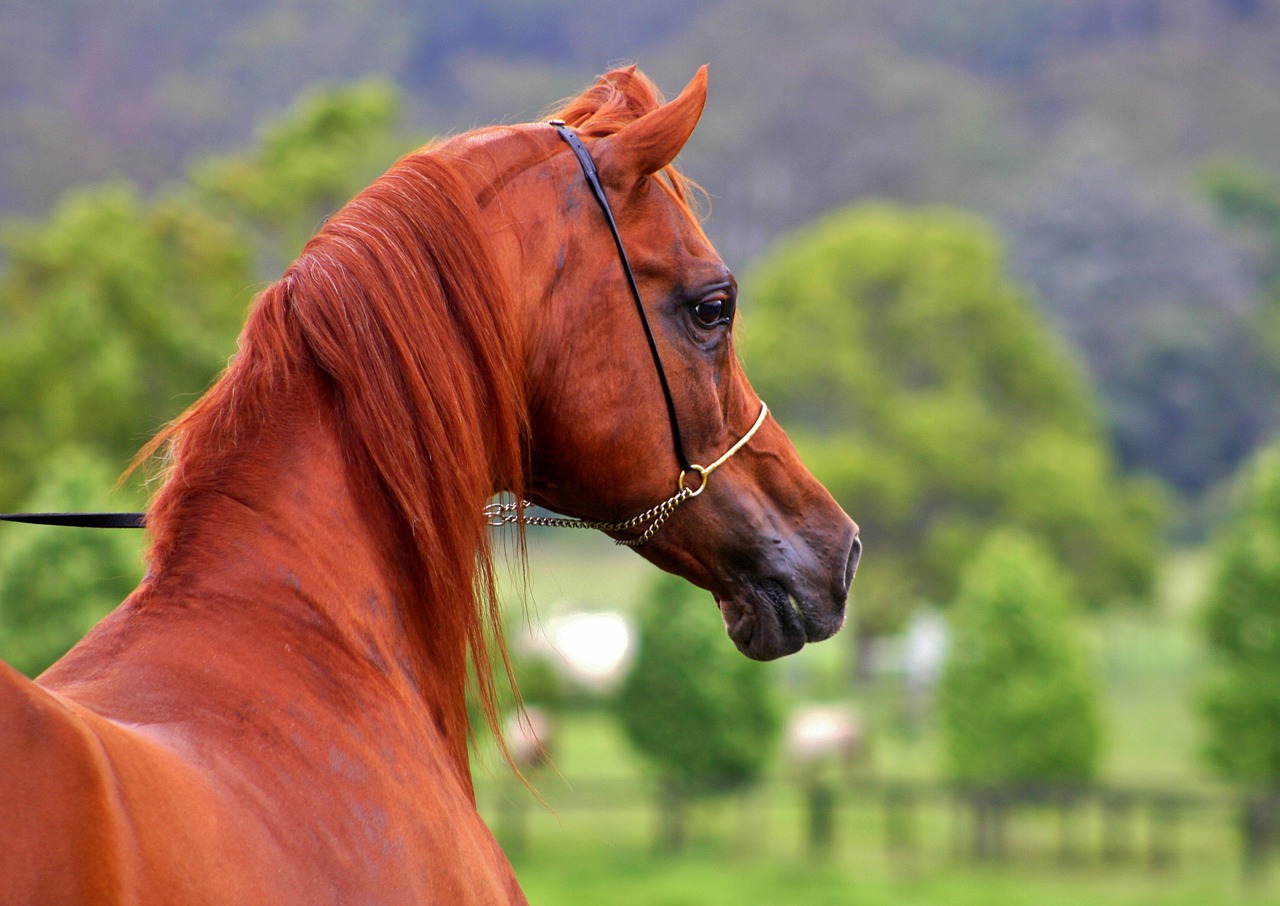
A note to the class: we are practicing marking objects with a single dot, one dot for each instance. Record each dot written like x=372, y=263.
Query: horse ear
x=645, y=146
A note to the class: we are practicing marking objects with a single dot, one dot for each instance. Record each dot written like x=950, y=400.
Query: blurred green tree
x=921, y=387
x=702, y=716
x=1017, y=700
x=56, y=583
x=1241, y=694
x=110, y=310
x=117, y=310
x=306, y=166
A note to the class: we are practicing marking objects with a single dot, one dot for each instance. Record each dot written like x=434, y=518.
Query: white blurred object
x=821, y=733
x=924, y=654
x=925, y=648
x=593, y=648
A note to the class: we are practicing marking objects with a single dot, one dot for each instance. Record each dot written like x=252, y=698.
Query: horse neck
x=288, y=552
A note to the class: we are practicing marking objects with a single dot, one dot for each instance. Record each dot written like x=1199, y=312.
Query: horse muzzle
x=800, y=596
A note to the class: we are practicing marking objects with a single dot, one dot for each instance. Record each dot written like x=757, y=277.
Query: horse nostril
x=851, y=567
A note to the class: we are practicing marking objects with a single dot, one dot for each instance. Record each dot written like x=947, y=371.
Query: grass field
x=593, y=840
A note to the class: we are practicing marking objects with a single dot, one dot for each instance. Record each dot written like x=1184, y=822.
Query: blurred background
x=1009, y=276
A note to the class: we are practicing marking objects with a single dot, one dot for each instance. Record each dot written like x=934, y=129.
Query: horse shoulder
x=98, y=812
x=69, y=840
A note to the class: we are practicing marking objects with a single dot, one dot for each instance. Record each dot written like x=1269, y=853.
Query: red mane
x=392, y=306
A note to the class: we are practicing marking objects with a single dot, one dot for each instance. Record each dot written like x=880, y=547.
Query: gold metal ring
x=702, y=479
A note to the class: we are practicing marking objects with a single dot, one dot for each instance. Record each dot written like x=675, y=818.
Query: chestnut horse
x=277, y=713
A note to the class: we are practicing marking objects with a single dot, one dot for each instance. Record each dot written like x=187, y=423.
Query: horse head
x=762, y=534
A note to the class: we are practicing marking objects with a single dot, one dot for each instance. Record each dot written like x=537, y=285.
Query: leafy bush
x=1241, y=695
x=698, y=712
x=1017, y=701
x=56, y=583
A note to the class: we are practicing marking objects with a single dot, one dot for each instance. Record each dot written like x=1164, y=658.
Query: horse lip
x=765, y=624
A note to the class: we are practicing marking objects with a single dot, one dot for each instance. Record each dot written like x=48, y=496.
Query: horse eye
x=711, y=312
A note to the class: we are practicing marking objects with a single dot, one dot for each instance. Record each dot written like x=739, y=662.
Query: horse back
x=99, y=812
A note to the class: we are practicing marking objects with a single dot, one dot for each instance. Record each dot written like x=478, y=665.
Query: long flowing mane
x=391, y=309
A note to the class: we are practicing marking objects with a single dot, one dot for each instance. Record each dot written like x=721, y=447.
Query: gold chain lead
x=499, y=514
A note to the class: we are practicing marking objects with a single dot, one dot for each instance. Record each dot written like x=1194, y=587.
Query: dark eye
x=713, y=311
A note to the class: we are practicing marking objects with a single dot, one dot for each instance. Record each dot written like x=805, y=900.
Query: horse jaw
x=776, y=551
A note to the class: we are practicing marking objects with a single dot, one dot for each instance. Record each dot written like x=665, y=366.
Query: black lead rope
x=139, y=520
x=79, y=520
x=593, y=179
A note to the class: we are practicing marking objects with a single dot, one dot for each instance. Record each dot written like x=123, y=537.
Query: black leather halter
x=593, y=179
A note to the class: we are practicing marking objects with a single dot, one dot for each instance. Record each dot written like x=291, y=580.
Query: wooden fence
x=1152, y=830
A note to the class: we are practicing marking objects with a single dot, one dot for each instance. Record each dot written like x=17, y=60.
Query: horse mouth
x=767, y=622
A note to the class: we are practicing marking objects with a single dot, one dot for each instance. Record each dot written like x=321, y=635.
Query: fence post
x=1117, y=815
x=900, y=823
x=1163, y=812
x=1258, y=827
x=1068, y=800
x=821, y=800
x=988, y=836
x=512, y=828
x=673, y=816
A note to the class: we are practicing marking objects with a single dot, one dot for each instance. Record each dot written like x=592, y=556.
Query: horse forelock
x=618, y=98
x=397, y=306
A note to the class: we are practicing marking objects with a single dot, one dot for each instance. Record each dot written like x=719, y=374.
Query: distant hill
x=812, y=104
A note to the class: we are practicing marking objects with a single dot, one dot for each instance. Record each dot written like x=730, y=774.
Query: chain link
x=499, y=514
x=509, y=513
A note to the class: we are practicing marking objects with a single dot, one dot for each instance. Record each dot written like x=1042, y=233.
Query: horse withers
x=277, y=714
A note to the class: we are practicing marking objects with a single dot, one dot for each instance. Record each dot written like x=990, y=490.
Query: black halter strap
x=593, y=179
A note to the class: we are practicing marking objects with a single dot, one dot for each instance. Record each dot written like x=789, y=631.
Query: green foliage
x=540, y=683
x=701, y=715
x=116, y=311
x=307, y=164
x=1017, y=701
x=922, y=389
x=56, y=583
x=109, y=310
x=1241, y=696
